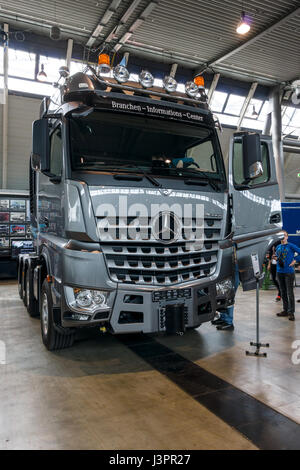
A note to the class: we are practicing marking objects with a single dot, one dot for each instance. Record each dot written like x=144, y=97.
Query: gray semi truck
x=134, y=218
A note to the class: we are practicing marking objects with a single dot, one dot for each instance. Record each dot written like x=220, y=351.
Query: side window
x=238, y=169
x=56, y=153
x=203, y=156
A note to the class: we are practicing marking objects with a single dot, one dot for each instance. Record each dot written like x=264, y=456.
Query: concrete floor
x=101, y=395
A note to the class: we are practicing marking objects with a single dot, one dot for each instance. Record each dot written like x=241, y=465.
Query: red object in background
x=4, y=217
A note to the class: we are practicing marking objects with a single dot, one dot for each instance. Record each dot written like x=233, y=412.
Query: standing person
x=225, y=321
x=286, y=260
x=273, y=269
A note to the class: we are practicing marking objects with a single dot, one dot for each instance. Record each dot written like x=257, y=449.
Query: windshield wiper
x=196, y=174
x=146, y=175
x=128, y=177
x=125, y=165
x=196, y=182
x=201, y=174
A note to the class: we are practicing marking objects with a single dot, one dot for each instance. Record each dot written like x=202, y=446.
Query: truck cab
x=136, y=227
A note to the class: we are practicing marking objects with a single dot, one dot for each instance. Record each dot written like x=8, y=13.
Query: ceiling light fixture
x=42, y=76
x=244, y=25
x=254, y=113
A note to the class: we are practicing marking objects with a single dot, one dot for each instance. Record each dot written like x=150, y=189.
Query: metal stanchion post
x=257, y=344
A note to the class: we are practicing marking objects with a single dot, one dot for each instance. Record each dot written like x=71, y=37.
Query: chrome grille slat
x=118, y=228
x=150, y=262
x=153, y=266
x=111, y=250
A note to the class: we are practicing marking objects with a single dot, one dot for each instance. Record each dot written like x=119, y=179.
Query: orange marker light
x=103, y=59
x=104, y=63
x=199, y=81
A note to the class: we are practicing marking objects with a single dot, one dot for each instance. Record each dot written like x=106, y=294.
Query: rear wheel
x=54, y=337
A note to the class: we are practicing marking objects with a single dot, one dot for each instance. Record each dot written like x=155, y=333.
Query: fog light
x=146, y=79
x=191, y=89
x=169, y=83
x=224, y=287
x=78, y=316
x=121, y=74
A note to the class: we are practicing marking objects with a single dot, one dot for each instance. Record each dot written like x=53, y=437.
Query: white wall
x=22, y=111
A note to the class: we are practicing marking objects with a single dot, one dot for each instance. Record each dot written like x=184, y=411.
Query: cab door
x=255, y=206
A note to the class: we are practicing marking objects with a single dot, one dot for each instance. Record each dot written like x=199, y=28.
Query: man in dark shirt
x=286, y=260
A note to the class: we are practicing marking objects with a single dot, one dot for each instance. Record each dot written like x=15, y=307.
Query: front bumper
x=136, y=310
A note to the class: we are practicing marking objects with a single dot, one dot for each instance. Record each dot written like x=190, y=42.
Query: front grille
x=154, y=263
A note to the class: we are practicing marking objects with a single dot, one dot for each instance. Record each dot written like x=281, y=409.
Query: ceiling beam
x=250, y=41
x=137, y=23
x=69, y=53
x=246, y=104
x=114, y=32
x=213, y=87
x=103, y=22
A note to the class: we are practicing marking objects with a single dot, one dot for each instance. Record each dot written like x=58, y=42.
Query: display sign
x=14, y=224
x=198, y=115
x=20, y=247
x=255, y=264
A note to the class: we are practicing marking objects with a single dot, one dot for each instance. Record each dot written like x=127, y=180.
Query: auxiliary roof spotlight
x=191, y=89
x=146, y=79
x=64, y=71
x=121, y=73
x=169, y=83
x=42, y=76
x=244, y=24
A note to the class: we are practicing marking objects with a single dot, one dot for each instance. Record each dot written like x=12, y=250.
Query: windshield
x=115, y=142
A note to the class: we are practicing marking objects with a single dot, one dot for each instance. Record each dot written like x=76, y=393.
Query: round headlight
x=84, y=298
x=121, y=74
x=98, y=297
x=169, y=83
x=191, y=89
x=146, y=79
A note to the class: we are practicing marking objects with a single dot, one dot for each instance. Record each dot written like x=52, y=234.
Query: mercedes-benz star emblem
x=166, y=227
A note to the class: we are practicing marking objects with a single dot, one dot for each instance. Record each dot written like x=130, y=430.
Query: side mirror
x=252, y=159
x=40, y=157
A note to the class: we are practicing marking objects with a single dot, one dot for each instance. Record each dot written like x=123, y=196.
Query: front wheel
x=53, y=337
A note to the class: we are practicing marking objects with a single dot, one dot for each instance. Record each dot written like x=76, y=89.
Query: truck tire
x=29, y=300
x=54, y=337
